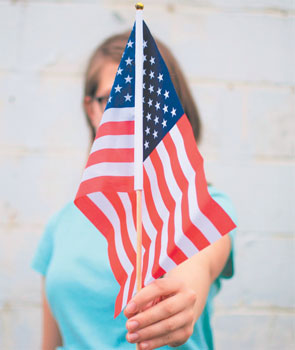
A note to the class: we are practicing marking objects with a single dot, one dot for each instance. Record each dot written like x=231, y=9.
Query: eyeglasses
x=102, y=101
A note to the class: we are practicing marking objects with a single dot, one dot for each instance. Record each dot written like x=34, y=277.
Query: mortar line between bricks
x=16, y=305
x=44, y=73
x=280, y=160
x=242, y=84
x=184, y=8
x=33, y=152
x=265, y=236
x=271, y=310
x=172, y=8
x=8, y=228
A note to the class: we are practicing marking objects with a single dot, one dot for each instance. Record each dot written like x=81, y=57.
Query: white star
x=128, y=97
x=155, y=134
x=151, y=89
x=165, y=109
x=143, y=85
x=173, y=112
x=144, y=72
x=144, y=44
x=160, y=77
x=166, y=94
x=128, y=61
x=152, y=74
x=119, y=72
x=159, y=91
x=144, y=58
x=146, y=145
x=152, y=60
x=130, y=43
x=157, y=105
x=164, y=123
x=110, y=99
x=128, y=79
x=148, y=116
x=150, y=103
x=147, y=131
x=118, y=88
x=156, y=120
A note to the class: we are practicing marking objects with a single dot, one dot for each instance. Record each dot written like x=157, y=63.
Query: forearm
x=51, y=337
x=200, y=271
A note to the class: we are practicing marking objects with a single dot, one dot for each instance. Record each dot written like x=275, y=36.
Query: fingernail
x=132, y=336
x=131, y=307
x=132, y=325
x=144, y=346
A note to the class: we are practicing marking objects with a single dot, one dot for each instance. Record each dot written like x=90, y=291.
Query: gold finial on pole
x=139, y=6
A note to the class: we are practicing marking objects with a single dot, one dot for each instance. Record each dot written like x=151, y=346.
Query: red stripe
x=146, y=242
x=189, y=229
x=111, y=155
x=173, y=251
x=102, y=223
x=118, y=206
x=157, y=270
x=105, y=183
x=116, y=128
x=207, y=205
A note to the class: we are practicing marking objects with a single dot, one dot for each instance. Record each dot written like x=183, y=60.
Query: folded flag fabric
x=179, y=217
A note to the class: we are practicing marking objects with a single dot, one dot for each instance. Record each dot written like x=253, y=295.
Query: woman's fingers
x=167, y=329
x=163, y=310
x=174, y=339
x=157, y=289
x=169, y=321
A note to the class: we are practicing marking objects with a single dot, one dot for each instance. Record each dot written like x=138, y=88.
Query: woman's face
x=95, y=106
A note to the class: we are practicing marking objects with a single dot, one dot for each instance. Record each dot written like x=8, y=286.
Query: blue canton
x=122, y=93
x=161, y=106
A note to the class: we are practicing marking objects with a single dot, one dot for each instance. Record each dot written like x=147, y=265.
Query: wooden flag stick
x=139, y=240
x=138, y=140
x=139, y=244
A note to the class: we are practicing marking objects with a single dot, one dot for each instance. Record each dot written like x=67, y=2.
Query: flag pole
x=138, y=138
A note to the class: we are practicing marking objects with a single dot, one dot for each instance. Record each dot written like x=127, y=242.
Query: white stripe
x=107, y=169
x=152, y=233
x=130, y=228
x=181, y=239
x=134, y=290
x=165, y=261
x=113, y=141
x=129, y=218
x=104, y=204
x=197, y=217
x=132, y=233
x=118, y=115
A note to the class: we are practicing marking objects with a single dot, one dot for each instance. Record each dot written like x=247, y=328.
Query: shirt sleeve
x=224, y=201
x=43, y=253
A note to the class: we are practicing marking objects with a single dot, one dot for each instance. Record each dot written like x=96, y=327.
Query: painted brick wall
x=239, y=58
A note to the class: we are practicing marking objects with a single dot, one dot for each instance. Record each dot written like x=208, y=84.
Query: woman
x=78, y=286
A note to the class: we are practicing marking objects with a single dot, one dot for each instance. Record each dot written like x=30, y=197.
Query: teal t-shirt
x=81, y=288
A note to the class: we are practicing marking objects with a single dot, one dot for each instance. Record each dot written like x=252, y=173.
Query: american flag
x=179, y=217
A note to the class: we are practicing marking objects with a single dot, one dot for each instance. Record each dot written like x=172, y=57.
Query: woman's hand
x=164, y=312
x=161, y=314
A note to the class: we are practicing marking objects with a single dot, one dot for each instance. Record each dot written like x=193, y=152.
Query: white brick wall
x=239, y=57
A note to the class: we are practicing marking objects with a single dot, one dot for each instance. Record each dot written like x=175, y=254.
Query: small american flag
x=178, y=215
